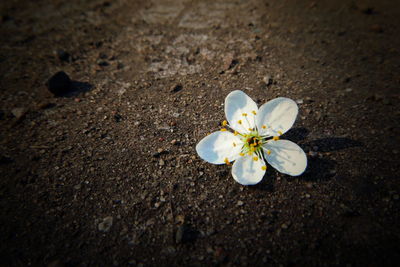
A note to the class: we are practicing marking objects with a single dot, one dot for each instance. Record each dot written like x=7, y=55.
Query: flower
x=253, y=138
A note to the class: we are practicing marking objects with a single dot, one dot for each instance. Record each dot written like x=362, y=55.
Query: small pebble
x=179, y=234
x=18, y=112
x=106, y=224
x=63, y=55
x=59, y=83
x=176, y=88
x=103, y=63
x=267, y=79
x=376, y=28
x=117, y=118
x=313, y=154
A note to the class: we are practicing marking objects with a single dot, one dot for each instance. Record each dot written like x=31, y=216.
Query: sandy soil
x=106, y=174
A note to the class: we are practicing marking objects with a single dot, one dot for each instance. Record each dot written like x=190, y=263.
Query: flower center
x=252, y=142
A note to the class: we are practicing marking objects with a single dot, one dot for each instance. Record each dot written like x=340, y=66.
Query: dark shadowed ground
x=106, y=173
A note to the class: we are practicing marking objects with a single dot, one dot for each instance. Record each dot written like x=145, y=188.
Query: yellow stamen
x=234, y=144
x=269, y=152
x=264, y=168
x=259, y=142
x=240, y=121
x=227, y=161
x=264, y=127
x=249, y=153
x=279, y=132
x=250, y=129
x=255, y=158
x=235, y=133
x=224, y=123
x=251, y=145
x=252, y=149
x=275, y=138
x=241, y=154
x=244, y=114
x=254, y=113
x=223, y=130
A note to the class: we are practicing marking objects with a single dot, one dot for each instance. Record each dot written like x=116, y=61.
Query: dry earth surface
x=107, y=174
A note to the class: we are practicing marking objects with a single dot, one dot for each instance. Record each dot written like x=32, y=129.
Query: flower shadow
x=319, y=169
x=267, y=183
x=330, y=144
x=296, y=134
x=320, y=166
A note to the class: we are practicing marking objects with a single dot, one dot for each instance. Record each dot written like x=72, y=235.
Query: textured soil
x=106, y=174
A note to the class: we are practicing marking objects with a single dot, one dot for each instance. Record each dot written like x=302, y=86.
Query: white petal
x=247, y=171
x=286, y=157
x=218, y=146
x=237, y=103
x=278, y=114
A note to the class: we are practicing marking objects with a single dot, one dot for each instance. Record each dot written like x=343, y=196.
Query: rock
x=18, y=112
x=228, y=61
x=312, y=154
x=176, y=88
x=161, y=162
x=63, y=55
x=106, y=224
x=180, y=219
x=103, y=63
x=117, y=118
x=299, y=101
x=174, y=142
x=103, y=56
x=376, y=28
x=179, y=234
x=59, y=83
x=267, y=79
x=240, y=203
x=160, y=152
x=45, y=105
x=367, y=10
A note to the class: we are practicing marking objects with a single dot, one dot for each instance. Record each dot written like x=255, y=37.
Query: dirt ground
x=107, y=174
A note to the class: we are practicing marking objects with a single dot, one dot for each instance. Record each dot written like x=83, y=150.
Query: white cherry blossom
x=253, y=139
